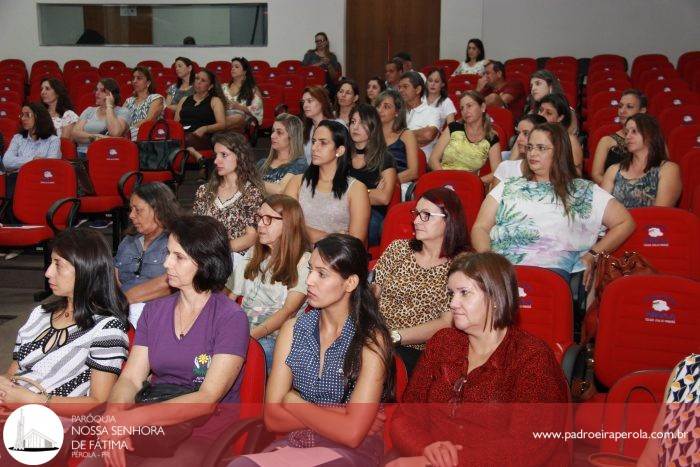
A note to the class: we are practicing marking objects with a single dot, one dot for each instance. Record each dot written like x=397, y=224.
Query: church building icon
x=32, y=440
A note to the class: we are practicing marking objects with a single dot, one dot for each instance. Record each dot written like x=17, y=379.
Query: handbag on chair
x=159, y=150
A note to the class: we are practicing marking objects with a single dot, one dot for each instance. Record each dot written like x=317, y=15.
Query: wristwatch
x=395, y=337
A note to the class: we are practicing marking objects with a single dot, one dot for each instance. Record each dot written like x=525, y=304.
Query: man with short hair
x=392, y=72
x=405, y=58
x=421, y=118
x=499, y=92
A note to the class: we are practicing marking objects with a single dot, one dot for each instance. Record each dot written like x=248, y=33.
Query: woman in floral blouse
x=548, y=217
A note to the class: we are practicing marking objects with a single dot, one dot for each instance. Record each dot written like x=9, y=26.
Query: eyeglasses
x=139, y=262
x=426, y=215
x=457, y=395
x=537, y=147
x=320, y=41
x=266, y=220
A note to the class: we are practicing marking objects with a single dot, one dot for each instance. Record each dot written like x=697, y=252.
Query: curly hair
x=245, y=163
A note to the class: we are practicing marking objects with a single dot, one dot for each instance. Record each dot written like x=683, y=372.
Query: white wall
x=291, y=28
x=582, y=28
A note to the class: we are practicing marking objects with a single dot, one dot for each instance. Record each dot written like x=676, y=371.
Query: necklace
x=183, y=330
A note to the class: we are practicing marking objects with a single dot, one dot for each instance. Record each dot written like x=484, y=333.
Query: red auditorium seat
x=222, y=70
x=653, y=88
x=663, y=100
x=9, y=128
x=597, y=133
x=151, y=64
x=564, y=61
x=83, y=102
x=683, y=139
x=313, y=75
x=11, y=75
x=12, y=86
x=269, y=75
x=68, y=150
x=546, y=311
x=44, y=203
x=45, y=64
x=161, y=130
x=272, y=96
x=447, y=64
x=682, y=115
x=290, y=67
x=651, y=76
x=462, y=82
x=12, y=63
x=645, y=322
x=74, y=65
x=113, y=165
x=504, y=119
x=111, y=66
x=259, y=66
x=10, y=111
x=603, y=117
x=292, y=86
x=632, y=405
x=161, y=73
x=525, y=65
x=690, y=173
x=683, y=60
x=398, y=224
x=613, y=85
x=599, y=75
x=608, y=60
x=12, y=96
x=163, y=83
x=603, y=100
x=647, y=62
x=468, y=187
x=668, y=238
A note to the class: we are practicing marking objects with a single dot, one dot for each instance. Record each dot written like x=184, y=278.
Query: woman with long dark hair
x=333, y=366
x=375, y=86
x=54, y=96
x=645, y=177
x=243, y=98
x=202, y=113
x=474, y=60
x=332, y=201
x=346, y=98
x=73, y=347
x=145, y=104
x=436, y=96
x=184, y=69
x=542, y=83
x=372, y=164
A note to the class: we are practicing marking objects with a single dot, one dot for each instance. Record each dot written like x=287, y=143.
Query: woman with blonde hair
x=271, y=278
x=286, y=157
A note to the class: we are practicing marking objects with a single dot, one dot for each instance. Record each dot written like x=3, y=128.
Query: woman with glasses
x=548, y=217
x=139, y=260
x=513, y=167
x=410, y=276
x=271, y=277
x=485, y=358
x=322, y=56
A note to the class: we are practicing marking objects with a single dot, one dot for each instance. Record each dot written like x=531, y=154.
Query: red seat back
x=611, y=85
x=12, y=96
x=272, y=96
x=289, y=66
x=608, y=60
x=151, y=64
x=503, y=118
x=525, y=65
x=597, y=134
x=83, y=102
x=111, y=66
x=221, y=68
x=314, y=75
x=647, y=62
x=252, y=391
x=73, y=65
x=468, y=187
x=292, y=86
x=9, y=128
x=12, y=86
x=447, y=64
x=676, y=98
x=646, y=321
x=683, y=139
x=690, y=172
x=10, y=110
x=603, y=100
x=462, y=83
x=40, y=183
x=398, y=224
x=164, y=129
x=604, y=117
x=545, y=307
x=68, y=150
x=664, y=72
x=259, y=66
x=668, y=238
x=108, y=160
x=674, y=117
x=653, y=88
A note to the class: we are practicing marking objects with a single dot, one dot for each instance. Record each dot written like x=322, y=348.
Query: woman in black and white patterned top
x=74, y=346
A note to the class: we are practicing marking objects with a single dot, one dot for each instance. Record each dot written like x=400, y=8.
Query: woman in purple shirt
x=196, y=338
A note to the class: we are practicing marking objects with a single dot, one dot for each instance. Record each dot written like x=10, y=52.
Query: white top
x=508, y=169
x=66, y=119
x=445, y=108
x=532, y=227
x=421, y=117
x=465, y=69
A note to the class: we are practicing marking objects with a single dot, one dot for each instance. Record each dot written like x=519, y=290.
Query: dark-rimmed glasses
x=537, y=147
x=266, y=220
x=425, y=215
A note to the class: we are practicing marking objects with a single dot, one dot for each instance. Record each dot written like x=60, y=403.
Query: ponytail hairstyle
x=346, y=255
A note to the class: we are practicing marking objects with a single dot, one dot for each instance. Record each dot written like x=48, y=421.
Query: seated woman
x=234, y=191
x=436, y=96
x=202, y=113
x=411, y=275
x=542, y=83
x=468, y=144
x=286, y=158
x=645, y=177
x=346, y=99
x=73, y=346
x=54, y=96
x=145, y=104
x=400, y=141
x=332, y=366
x=372, y=164
x=106, y=119
x=472, y=399
x=612, y=149
x=36, y=140
x=375, y=86
x=243, y=98
x=316, y=106
x=513, y=167
x=184, y=69
x=196, y=324
x=142, y=251
x=681, y=398
x=475, y=59
x=322, y=56
x=555, y=108
x=548, y=217
x=271, y=278
x=332, y=201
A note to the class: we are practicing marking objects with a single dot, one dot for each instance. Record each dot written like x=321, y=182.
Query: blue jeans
x=376, y=220
x=268, y=345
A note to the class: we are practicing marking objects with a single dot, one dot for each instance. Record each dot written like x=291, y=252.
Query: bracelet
x=593, y=253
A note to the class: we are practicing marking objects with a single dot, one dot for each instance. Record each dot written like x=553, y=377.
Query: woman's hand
x=201, y=131
x=109, y=99
x=442, y=454
x=11, y=393
x=589, y=262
